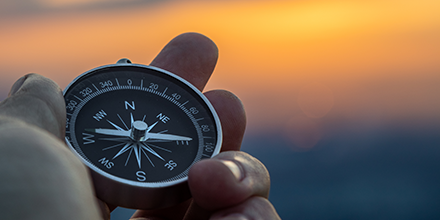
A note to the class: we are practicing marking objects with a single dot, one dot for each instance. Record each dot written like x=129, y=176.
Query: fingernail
x=17, y=85
x=235, y=169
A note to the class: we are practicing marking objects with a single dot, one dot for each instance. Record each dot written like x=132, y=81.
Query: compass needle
x=111, y=132
x=147, y=125
x=115, y=139
x=168, y=137
x=113, y=146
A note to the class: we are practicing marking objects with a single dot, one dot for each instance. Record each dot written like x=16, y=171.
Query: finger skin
x=191, y=56
x=35, y=100
x=176, y=212
x=40, y=177
x=232, y=117
x=253, y=208
x=39, y=101
x=215, y=187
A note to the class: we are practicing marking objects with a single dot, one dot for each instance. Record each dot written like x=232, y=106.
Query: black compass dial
x=139, y=125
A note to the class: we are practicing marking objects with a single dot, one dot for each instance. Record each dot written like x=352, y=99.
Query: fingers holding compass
x=193, y=57
x=232, y=117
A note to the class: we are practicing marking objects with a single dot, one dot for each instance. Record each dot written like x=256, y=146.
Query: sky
x=311, y=61
x=306, y=70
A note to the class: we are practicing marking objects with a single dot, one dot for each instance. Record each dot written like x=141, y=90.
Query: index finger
x=191, y=56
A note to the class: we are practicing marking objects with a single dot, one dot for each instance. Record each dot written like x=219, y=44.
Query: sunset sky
x=342, y=96
x=293, y=63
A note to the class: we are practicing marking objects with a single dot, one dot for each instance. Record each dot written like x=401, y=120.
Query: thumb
x=227, y=180
x=38, y=101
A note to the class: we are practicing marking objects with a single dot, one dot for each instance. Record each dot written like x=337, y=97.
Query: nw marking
x=99, y=115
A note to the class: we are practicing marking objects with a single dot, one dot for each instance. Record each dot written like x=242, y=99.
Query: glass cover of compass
x=139, y=129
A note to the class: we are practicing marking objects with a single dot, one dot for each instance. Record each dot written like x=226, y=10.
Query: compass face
x=139, y=125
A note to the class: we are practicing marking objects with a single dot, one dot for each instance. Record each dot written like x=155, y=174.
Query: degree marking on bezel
x=95, y=87
x=77, y=98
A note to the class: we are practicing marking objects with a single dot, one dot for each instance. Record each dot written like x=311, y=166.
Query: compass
x=139, y=129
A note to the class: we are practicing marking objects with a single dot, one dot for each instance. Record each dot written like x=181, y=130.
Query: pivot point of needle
x=138, y=129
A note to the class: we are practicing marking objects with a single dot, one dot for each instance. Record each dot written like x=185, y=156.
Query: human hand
x=39, y=177
x=37, y=106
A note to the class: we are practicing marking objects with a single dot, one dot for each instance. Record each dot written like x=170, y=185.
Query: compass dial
x=139, y=129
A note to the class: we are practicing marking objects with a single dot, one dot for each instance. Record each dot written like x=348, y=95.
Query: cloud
x=13, y=8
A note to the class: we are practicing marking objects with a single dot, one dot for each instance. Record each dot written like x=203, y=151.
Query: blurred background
x=342, y=96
